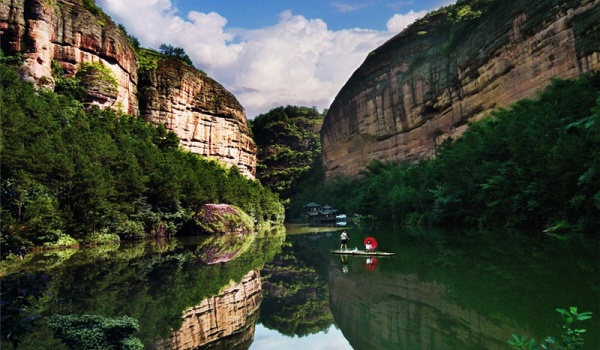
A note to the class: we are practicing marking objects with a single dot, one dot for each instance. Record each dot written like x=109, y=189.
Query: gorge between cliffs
x=142, y=209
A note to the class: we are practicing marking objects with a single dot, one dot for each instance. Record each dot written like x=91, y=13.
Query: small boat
x=361, y=252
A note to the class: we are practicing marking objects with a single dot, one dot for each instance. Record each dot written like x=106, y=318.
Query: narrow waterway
x=441, y=290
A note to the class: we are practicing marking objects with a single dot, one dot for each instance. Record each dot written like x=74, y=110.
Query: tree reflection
x=149, y=281
x=296, y=295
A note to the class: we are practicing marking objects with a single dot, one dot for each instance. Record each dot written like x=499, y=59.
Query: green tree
x=95, y=175
x=91, y=332
x=176, y=52
x=531, y=166
x=289, y=145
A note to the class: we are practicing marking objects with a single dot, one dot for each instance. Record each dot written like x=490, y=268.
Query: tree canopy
x=176, y=52
x=289, y=145
x=534, y=165
x=71, y=172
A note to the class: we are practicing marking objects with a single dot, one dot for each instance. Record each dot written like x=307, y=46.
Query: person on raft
x=345, y=238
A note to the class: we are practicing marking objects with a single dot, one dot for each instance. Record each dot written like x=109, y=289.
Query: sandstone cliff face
x=67, y=32
x=429, y=81
x=206, y=117
x=225, y=321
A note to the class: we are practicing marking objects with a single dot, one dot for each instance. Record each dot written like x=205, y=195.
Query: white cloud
x=297, y=61
x=400, y=21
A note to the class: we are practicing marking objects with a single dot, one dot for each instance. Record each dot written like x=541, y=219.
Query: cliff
x=224, y=321
x=206, y=117
x=452, y=67
x=69, y=34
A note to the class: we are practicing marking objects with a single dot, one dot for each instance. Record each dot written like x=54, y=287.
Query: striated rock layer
x=429, y=81
x=206, y=117
x=68, y=33
x=225, y=321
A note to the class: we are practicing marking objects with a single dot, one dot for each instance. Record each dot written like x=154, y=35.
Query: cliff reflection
x=381, y=311
x=155, y=281
x=224, y=321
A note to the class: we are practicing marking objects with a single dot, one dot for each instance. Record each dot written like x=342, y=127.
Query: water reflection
x=223, y=321
x=399, y=311
x=295, y=290
x=468, y=291
x=218, y=248
x=437, y=292
x=151, y=281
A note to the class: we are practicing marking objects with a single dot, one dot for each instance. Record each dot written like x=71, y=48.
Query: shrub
x=92, y=332
x=570, y=338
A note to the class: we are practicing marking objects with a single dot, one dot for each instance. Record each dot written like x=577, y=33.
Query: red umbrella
x=373, y=242
x=371, y=263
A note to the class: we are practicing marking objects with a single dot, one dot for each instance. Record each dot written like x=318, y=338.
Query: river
x=284, y=289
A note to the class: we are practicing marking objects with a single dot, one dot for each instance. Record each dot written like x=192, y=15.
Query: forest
x=74, y=174
x=534, y=166
x=288, y=146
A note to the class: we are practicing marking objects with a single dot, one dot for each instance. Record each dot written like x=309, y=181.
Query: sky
x=330, y=339
x=271, y=53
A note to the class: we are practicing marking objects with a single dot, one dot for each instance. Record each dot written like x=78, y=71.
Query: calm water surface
x=442, y=290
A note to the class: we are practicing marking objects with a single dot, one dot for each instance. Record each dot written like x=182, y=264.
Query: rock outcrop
x=68, y=33
x=452, y=67
x=213, y=219
x=224, y=321
x=206, y=117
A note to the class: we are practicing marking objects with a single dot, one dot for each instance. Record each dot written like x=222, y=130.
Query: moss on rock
x=221, y=219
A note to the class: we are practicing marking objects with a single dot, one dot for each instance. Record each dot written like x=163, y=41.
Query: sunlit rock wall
x=426, y=84
x=66, y=32
x=206, y=117
x=224, y=321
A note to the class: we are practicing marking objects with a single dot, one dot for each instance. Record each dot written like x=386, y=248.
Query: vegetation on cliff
x=534, y=165
x=92, y=78
x=177, y=53
x=95, y=174
x=452, y=67
x=288, y=145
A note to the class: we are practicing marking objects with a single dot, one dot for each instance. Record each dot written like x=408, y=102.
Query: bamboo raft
x=361, y=252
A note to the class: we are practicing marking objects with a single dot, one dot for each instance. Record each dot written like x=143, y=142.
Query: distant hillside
x=288, y=144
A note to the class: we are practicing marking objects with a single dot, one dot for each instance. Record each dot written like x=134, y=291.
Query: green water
x=451, y=290
x=442, y=290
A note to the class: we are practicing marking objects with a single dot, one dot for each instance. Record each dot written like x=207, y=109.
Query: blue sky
x=271, y=53
x=366, y=14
